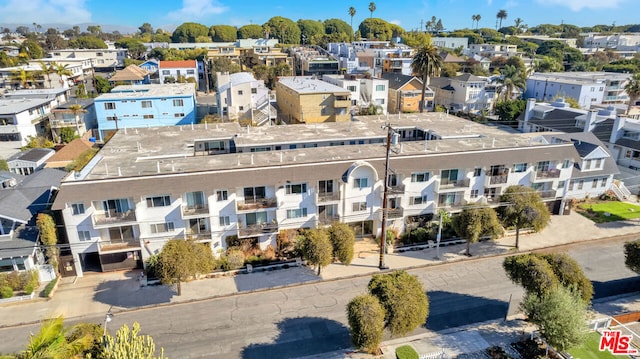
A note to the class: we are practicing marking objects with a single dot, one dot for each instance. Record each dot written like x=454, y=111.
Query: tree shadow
x=615, y=287
x=274, y=278
x=451, y=310
x=300, y=337
x=127, y=293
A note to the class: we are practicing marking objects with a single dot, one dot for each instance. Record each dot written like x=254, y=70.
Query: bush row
x=26, y=281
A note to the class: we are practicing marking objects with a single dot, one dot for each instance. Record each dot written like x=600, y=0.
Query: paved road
x=310, y=319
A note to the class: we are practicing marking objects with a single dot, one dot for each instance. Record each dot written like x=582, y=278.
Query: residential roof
x=30, y=196
x=449, y=57
x=84, y=102
x=11, y=106
x=129, y=73
x=22, y=244
x=467, y=77
x=180, y=64
x=148, y=91
x=306, y=85
x=36, y=93
x=585, y=143
x=71, y=151
x=564, y=120
x=237, y=79
x=32, y=154
x=396, y=80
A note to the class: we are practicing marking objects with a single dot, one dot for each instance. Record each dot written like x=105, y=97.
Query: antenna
x=158, y=166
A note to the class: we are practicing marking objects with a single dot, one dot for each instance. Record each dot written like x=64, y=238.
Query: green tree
x=46, y=71
x=285, y=30
x=181, y=259
x=51, y=342
x=252, y=31
x=94, y=30
x=548, y=64
x=32, y=49
x=38, y=142
x=560, y=315
x=426, y=62
x=404, y=299
x=223, y=33
x=62, y=71
x=146, y=29
x=338, y=28
x=633, y=90
x=632, y=255
x=22, y=77
x=512, y=78
x=372, y=8
x=4, y=166
x=161, y=36
x=92, y=334
x=310, y=31
x=68, y=134
x=475, y=222
x=189, y=32
x=87, y=42
x=416, y=38
x=134, y=46
x=315, y=247
x=570, y=274
x=532, y=272
x=376, y=29
x=509, y=110
x=450, y=69
x=501, y=15
x=342, y=239
x=352, y=13
x=128, y=343
x=102, y=85
x=524, y=209
x=366, y=322
x=47, y=228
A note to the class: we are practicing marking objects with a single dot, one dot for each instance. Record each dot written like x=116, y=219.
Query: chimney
x=590, y=123
x=616, y=131
x=528, y=111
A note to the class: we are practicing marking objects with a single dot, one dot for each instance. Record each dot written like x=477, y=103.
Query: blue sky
x=406, y=13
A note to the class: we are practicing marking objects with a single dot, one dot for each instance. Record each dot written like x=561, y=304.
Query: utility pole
x=383, y=241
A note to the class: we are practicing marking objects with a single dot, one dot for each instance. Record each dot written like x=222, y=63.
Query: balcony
x=328, y=197
x=118, y=246
x=450, y=184
x=547, y=194
x=201, y=235
x=398, y=189
x=452, y=204
x=393, y=213
x=114, y=218
x=328, y=220
x=258, y=229
x=194, y=210
x=258, y=203
x=63, y=123
x=545, y=175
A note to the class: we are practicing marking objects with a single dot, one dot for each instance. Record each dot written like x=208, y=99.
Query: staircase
x=620, y=190
x=264, y=112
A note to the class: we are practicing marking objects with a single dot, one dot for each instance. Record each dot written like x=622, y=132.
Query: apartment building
x=172, y=71
x=209, y=182
x=309, y=61
x=450, y=42
x=468, y=93
x=102, y=59
x=365, y=91
x=628, y=42
x=405, y=93
x=138, y=106
x=240, y=97
x=307, y=100
x=491, y=50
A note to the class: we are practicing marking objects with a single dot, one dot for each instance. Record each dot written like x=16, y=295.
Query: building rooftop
x=305, y=85
x=180, y=64
x=170, y=150
x=33, y=155
x=148, y=91
x=11, y=106
x=36, y=93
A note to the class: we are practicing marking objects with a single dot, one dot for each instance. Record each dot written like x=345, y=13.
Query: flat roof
x=148, y=91
x=306, y=85
x=170, y=150
x=17, y=105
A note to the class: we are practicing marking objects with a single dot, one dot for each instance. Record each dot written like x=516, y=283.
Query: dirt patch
x=365, y=248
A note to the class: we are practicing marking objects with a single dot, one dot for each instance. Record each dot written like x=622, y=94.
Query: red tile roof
x=178, y=64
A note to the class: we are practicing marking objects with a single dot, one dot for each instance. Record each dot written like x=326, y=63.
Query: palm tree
x=633, y=90
x=512, y=78
x=61, y=70
x=478, y=17
x=352, y=13
x=51, y=342
x=46, y=71
x=473, y=20
x=426, y=62
x=519, y=25
x=23, y=77
x=77, y=109
x=372, y=8
x=501, y=15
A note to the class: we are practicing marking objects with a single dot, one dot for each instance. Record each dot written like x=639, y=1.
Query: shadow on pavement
x=274, y=278
x=128, y=293
x=301, y=337
x=615, y=287
x=450, y=310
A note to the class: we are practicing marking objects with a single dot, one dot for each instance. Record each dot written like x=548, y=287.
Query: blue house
x=151, y=66
x=145, y=106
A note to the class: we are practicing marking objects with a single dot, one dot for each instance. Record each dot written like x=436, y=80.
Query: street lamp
x=107, y=318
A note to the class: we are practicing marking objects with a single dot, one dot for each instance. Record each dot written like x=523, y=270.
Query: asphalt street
x=310, y=319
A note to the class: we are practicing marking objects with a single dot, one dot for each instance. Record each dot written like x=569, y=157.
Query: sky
x=409, y=14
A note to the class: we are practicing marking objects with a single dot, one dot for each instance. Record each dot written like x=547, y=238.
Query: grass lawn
x=618, y=211
x=589, y=350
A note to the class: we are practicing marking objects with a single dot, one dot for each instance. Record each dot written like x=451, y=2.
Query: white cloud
x=577, y=5
x=397, y=22
x=196, y=9
x=45, y=11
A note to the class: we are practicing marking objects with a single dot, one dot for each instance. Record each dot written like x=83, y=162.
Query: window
x=474, y=193
x=254, y=193
x=519, y=167
x=296, y=188
x=595, y=183
x=166, y=72
x=571, y=185
x=147, y=116
x=109, y=105
x=598, y=163
x=359, y=182
x=254, y=90
x=561, y=184
x=566, y=164
x=580, y=184
x=146, y=104
x=99, y=54
x=222, y=195
x=224, y=221
x=77, y=208
x=162, y=227
x=359, y=206
x=115, y=207
x=191, y=72
x=477, y=172
x=195, y=200
x=241, y=108
x=178, y=103
x=240, y=92
x=158, y=201
x=325, y=186
x=418, y=200
x=587, y=164
x=379, y=87
x=84, y=236
x=296, y=213
x=178, y=115
x=603, y=182
x=420, y=177
x=351, y=88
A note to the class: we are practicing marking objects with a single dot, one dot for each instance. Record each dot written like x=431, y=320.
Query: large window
x=418, y=200
x=252, y=194
x=146, y=104
x=84, y=236
x=360, y=182
x=224, y=221
x=325, y=186
x=162, y=227
x=420, y=177
x=359, y=206
x=519, y=167
x=77, y=208
x=158, y=201
x=296, y=213
x=448, y=176
x=379, y=87
x=296, y=188
x=195, y=200
x=222, y=195
x=256, y=218
x=114, y=207
x=197, y=225
x=109, y=105
x=178, y=102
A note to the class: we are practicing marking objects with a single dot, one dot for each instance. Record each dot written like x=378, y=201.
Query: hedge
x=49, y=287
x=406, y=352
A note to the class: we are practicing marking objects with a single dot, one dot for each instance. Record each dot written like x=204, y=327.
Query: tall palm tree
x=426, y=62
x=352, y=13
x=76, y=110
x=518, y=23
x=51, y=342
x=478, y=18
x=372, y=8
x=512, y=78
x=633, y=90
x=501, y=15
x=46, y=71
x=22, y=77
x=61, y=70
x=473, y=20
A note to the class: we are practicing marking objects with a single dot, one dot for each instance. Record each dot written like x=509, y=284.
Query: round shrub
x=406, y=352
x=28, y=289
x=235, y=259
x=6, y=292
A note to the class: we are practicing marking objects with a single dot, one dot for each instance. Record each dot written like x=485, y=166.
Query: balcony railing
x=198, y=235
x=547, y=193
x=398, y=189
x=194, y=210
x=328, y=220
x=328, y=196
x=397, y=212
x=447, y=183
x=549, y=174
x=499, y=179
x=62, y=123
x=258, y=229
x=112, y=246
x=114, y=217
x=258, y=203
x=457, y=203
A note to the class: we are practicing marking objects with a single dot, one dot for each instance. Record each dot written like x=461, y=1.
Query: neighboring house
x=491, y=50
x=151, y=66
x=142, y=190
x=21, y=118
x=21, y=199
x=306, y=100
x=27, y=162
x=626, y=42
x=539, y=39
x=365, y=91
x=101, y=59
x=145, y=106
x=35, y=78
x=177, y=71
x=79, y=70
x=309, y=61
x=82, y=121
x=69, y=153
x=240, y=97
x=450, y=42
x=405, y=94
x=587, y=88
x=467, y=93
x=130, y=75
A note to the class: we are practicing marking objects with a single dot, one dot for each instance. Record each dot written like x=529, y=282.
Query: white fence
x=20, y=298
x=437, y=355
x=46, y=272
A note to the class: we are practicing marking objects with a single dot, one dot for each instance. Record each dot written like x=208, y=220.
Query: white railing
x=620, y=190
x=436, y=355
x=20, y=298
